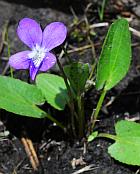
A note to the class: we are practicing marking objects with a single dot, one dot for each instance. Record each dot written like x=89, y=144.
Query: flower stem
x=67, y=55
x=71, y=105
x=98, y=108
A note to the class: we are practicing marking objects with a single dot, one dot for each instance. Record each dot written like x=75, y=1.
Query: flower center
x=37, y=55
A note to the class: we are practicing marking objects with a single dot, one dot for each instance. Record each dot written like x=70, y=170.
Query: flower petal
x=33, y=70
x=48, y=62
x=29, y=32
x=54, y=35
x=20, y=60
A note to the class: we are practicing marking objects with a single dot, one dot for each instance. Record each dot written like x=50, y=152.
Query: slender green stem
x=11, y=72
x=92, y=70
x=67, y=55
x=71, y=105
x=81, y=118
x=65, y=78
x=105, y=135
x=101, y=11
x=99, y=105
x=55, y=121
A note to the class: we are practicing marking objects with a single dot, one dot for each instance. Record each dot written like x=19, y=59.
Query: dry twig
x=3, y=34
x=85, y=169
x=29, y=148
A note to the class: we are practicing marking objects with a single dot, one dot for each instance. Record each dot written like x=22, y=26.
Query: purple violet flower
x=40, y=43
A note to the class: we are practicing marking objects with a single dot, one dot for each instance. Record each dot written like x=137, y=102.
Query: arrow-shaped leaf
x=115, y=57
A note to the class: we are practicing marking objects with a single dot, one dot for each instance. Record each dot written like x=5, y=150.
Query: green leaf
x=21, y=98
x=125, y=127
x=115, y=57
x=77, y=74
x=54, y=89
x=126, y=149
x=92, y=136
